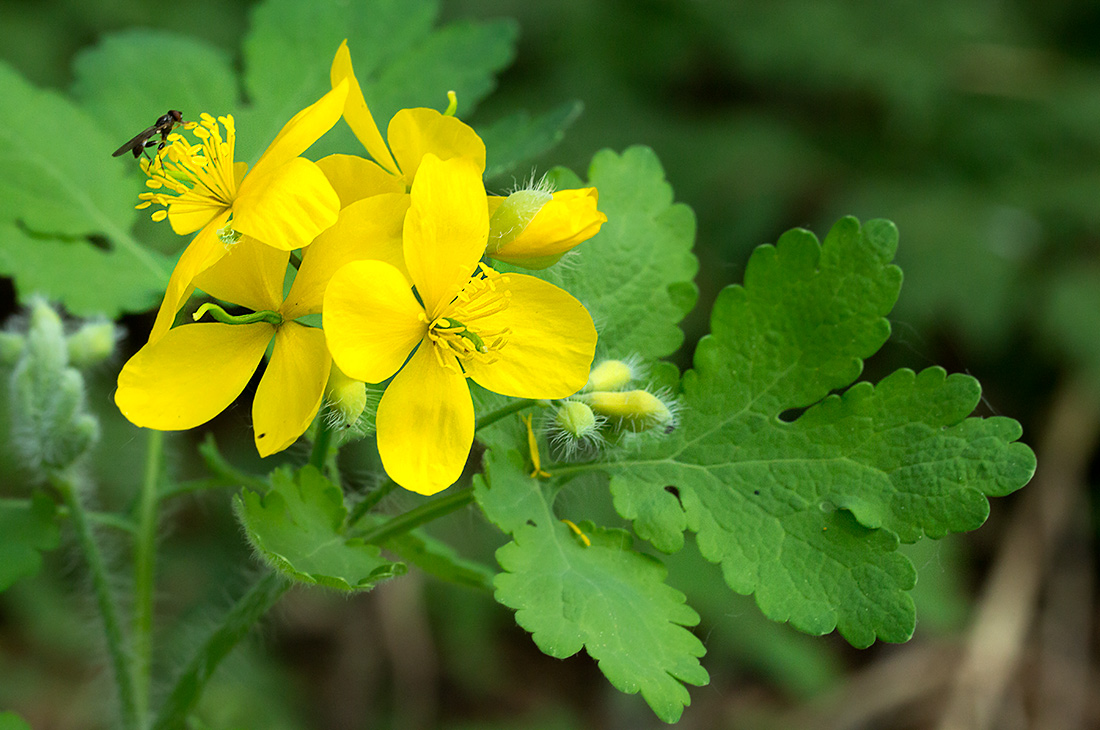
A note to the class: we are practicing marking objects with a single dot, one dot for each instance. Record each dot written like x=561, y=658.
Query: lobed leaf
x=603, y=597
x=808, y=514
x=635, y=276
x=299, y=528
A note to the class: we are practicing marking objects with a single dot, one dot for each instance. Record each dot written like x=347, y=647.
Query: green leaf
x=399, y=59
x=11, y=721
x=191, y=76
x=439, y=559
x=635, y=276
x=808, y=514
x=603, y=597
x=26, y=530
x=299, y=528
x=58, y=182
x=520, y=137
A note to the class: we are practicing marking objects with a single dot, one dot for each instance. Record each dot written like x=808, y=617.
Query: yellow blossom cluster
x=392, y=253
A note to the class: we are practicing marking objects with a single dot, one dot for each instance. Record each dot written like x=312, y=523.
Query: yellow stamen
x=579, y=533
x=457, y=334
x=533, y=447
x=203, y=171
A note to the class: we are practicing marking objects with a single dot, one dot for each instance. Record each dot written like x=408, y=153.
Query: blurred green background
x=974, y=125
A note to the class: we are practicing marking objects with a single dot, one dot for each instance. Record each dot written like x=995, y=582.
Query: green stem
x=370, y=500
x=102, y=519
x=237, y=623
x=112, y=627
x=145, y=545
x=320, y=445
x=424, y=513
x=490, y=418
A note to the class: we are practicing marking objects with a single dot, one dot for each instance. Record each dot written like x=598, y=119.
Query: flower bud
x=11, y=347
x=634, y=410
x=347, y=398
x=533, y=228
x=91, y=344
x=574, y=428
x=50, y=426
x=612, y=375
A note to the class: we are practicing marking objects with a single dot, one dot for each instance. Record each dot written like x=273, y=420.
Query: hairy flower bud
x=347, y=398
x=574, y=428
x=51, y=428
x=91, y=344
x=534, y=228
x=634, y=410
x=612, y=375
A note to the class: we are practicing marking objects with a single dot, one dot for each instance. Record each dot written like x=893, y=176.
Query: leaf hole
x=791, y=415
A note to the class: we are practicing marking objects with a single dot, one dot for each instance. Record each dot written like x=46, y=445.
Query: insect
x=145, y=139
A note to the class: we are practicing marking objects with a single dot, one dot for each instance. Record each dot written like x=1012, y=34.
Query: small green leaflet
x=26, y=530
x=298, y=527
x=808, y=514
x=604, y=597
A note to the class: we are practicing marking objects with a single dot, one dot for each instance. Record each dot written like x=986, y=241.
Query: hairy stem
x=235, y=626
x=424, y=513
x=65, y=484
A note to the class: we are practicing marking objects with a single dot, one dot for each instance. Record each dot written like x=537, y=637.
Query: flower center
x=203, y=170
x=461, y=332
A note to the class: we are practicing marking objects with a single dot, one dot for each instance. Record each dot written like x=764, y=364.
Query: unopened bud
x=91, y=344
x=50, y=426
x=634, y=410
x=574, y=428
x=347, y=398
x=612, y=375
x=11, y=347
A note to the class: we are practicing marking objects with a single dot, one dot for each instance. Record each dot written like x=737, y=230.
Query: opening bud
x=534, y=227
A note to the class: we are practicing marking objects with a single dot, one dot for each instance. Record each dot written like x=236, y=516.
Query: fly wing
x=137, y=143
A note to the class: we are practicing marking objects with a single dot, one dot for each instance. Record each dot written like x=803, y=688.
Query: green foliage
x=603, y=597
x=299, y=528
x=60, y=200
x=635, y=276
x=440, y=559
x=28, y=529
x=66, y=209
x=808, y=514
x=11, y=721
x=518, y=137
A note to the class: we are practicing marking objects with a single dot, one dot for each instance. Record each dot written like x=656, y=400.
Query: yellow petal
x=354, y=178
x=191, y=374
x=425, y=425
x=446, y=229
x=291, y=389
x=549, y=350
x=356, y=112
x=305, y=128
x=366, y=229
x=191, y=211
x=250, y=274
x=288, y=207
x=372, y=320
x=203, y=252
x=414, y=133
x=570, y=218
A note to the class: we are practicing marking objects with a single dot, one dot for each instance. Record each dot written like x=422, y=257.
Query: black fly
x=145, y=139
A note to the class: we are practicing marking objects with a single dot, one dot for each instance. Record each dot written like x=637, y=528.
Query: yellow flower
x=284, y=201
x=195, y=371
x=512, y=334
x=412, y=133
x=533, y=228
